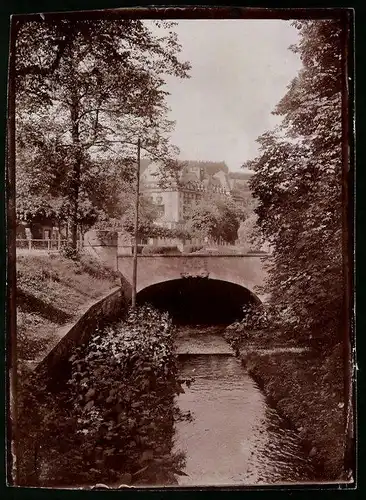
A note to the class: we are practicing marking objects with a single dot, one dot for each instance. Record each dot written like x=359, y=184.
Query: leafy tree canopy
x=297, y=183
x=216, y=218
x=86, y=91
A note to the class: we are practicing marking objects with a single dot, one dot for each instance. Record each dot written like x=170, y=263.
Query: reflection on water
x=235, y=437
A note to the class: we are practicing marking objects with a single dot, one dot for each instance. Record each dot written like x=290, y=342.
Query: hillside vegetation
x=51, y=292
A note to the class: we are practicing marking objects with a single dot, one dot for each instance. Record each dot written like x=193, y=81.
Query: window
x=161, y=210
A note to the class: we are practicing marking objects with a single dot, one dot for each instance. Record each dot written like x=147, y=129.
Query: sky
x=240, y=70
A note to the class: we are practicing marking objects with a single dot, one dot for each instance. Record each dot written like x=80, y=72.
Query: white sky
x=240, y=70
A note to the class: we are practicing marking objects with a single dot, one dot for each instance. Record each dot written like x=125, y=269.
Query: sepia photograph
x=180, y=249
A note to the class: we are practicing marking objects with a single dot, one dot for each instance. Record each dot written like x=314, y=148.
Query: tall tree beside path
x=105, y=90
x=298, y=186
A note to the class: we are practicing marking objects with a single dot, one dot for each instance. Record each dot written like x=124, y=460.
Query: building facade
x=195, y=180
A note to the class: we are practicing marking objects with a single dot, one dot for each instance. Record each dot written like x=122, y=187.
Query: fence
x=50, y=245
x=55, y=245
x=190, y=241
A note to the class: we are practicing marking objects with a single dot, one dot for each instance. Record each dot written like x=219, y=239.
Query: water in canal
x=235, y=437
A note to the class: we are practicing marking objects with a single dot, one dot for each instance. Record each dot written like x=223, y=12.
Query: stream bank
x=236, y=437
x=307, y=389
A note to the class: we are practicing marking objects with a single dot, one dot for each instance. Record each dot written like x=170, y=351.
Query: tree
x=297, y=183
x=148, y=213
x=41, y=188
x=203, y=219
x=249, y=235
x=95, y=113
x=216, y=218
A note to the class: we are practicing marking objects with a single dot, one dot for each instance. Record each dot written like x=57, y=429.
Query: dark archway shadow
x=199, y=300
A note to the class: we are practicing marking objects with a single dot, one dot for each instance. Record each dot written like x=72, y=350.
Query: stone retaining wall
x=108, y=308
x=103, y=246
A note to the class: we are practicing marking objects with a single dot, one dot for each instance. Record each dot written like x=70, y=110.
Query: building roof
x=210, y=167
x=240, y=175
x=211, y=180
x=189, y=176
x=208, y=174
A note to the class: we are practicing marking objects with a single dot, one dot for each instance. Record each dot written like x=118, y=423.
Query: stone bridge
x=183, y=281
x=244, y=270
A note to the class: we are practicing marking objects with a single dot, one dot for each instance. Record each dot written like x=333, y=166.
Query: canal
x=235, y=437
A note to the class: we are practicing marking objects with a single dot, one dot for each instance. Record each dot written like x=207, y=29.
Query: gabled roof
x=215, y=174
x=188, y=176
x=209, y=167
x=211, y=180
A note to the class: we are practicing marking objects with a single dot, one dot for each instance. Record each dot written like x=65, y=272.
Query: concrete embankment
x=106, y=309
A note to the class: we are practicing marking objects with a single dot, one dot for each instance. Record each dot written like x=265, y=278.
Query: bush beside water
x=307, y=388
x=115, y=421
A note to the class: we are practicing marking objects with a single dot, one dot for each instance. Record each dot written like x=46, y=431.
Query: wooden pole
x=134, y=271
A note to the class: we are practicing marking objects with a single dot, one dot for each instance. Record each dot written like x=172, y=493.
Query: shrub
x=117, y=417
x=265, y=324
x=192, y=248
x=69, y=252
x=160, y=250
x=257, y=319
x=96, y=269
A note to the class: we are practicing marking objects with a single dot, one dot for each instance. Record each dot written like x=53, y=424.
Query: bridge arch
x=198, y=300
x=244, y=270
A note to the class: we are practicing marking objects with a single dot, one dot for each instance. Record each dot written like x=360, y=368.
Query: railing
x=55, y=245
x=49, y=245
x=190, y=241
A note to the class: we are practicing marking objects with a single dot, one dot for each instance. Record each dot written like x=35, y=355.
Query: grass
x=52, y=291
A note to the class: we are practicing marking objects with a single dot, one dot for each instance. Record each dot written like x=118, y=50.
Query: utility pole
x=134, y=271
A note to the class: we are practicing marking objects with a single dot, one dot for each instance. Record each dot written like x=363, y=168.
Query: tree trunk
x=75, y=179
x=75, y=186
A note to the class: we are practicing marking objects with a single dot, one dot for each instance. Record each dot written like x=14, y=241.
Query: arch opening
x=198, y=300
